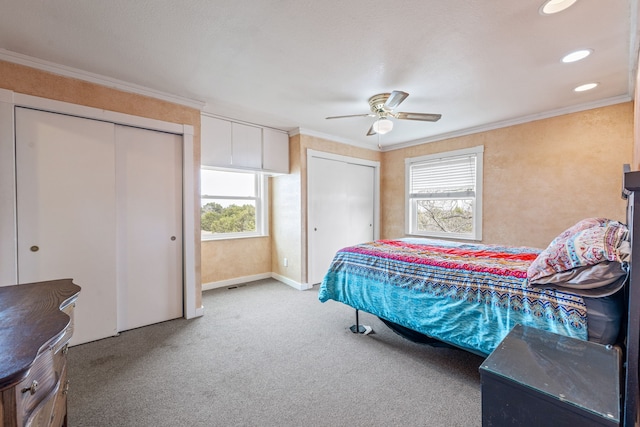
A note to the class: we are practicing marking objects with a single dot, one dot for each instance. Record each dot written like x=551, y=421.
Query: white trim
x=261, y=205
x=234, y=281
x=189, y=224
x=357, y=161
x=511, y=122
x=8, y=229
x=300, y=131
x=7, y=175
x=445, y=154
x=481, y=128
x=62, y=70
x=345, y=159
x=52, y=105
x=477, y=224
x=252, y=278
x=341, y=158
x=297, y=285
x=477, y=227
x=634, y=43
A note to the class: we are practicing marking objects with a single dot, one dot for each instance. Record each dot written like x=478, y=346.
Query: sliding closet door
x=327, y=213
x=360, y=188
x=66, y=212
x=340, y=210
x=149, y=194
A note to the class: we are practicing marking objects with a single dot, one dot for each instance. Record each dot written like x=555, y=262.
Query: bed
x=470, y=295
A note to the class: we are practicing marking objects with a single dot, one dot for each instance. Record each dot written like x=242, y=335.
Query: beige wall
x=290, y=203
x=539, y=177
x=286, y=220
x=29, y=81
x=234, y=258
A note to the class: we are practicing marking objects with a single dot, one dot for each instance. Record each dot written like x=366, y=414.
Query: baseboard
x=299, y=286
x=252, y=278
x=234, y=281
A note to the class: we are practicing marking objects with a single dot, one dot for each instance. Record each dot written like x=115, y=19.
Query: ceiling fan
x=382, y=106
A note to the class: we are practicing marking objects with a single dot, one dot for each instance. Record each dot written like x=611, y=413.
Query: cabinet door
x=215, y=136
x=275, y=151
x=247, y=146
x=149, y=209
x=65, y=183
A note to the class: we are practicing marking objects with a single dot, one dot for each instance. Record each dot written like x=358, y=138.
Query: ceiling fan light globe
x=382, y=126
x=550, y=7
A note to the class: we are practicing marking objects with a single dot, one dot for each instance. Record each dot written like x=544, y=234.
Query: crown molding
x=469, y=131
x=334, y=138
x=63, y=70
x=511, y=122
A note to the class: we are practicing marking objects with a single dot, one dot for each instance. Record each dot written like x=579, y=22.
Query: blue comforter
x=467, y=295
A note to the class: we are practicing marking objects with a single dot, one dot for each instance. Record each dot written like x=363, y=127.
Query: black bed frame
x=630, y=386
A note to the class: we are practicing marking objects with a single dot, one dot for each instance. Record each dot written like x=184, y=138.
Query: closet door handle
x=173, y=238
x=34, y=248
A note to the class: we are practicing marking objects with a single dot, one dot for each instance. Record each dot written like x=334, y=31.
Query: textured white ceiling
x=289, y=64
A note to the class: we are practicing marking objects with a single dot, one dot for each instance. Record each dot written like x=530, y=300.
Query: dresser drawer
x=33, y=351
x=68, y=332
x=52, y=411
x=38, y=387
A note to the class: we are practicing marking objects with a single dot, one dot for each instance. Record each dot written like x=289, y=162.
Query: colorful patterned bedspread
x=468, y=295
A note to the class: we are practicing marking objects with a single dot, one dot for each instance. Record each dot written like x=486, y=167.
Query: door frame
x=8, y=219
x=376, y=198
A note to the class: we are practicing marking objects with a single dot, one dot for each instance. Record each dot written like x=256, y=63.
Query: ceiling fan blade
x=425, y=117
x=396, y=97
x=351, y=115
x=371, y=131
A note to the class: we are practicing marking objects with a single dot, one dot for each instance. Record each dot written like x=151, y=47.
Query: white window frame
x=410, y=203
x=262, y=206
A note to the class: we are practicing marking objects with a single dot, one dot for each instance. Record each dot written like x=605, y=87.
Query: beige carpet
x=266, y=354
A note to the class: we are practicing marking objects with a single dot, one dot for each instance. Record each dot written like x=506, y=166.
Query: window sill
x=231, y=237
x=451, y=236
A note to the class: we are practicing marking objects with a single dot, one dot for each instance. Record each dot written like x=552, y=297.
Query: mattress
x=467, y=295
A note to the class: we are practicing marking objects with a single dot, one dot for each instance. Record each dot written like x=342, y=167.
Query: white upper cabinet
x=229, y=144
x=246, y=146
x=275, y=151
x=215, y=142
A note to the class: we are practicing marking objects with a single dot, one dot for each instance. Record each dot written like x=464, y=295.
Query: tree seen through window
x=231, y=219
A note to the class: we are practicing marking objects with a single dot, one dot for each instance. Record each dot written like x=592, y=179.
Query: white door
x=65, y=174
x=340, y=210
x=360, y=188
x=149, y=194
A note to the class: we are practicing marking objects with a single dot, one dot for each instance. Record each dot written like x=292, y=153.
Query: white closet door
x=341, y=210
x=149, y=188
x=360, y=188
x=66, y=212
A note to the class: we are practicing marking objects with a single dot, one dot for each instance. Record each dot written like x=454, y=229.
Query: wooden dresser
x=36, y=323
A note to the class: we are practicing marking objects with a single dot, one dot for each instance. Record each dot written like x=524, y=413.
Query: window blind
x=450, y=177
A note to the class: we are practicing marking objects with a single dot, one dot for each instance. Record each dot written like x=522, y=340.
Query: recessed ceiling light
x=584, y=87
x=577, y=55
x=554, y=6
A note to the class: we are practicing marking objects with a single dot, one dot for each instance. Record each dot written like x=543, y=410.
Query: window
x=232, y=204
x=444, y=194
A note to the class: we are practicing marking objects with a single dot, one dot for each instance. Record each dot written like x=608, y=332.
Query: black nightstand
x=538, y=378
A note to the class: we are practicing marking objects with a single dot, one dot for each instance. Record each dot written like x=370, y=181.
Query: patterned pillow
x=589, y=242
